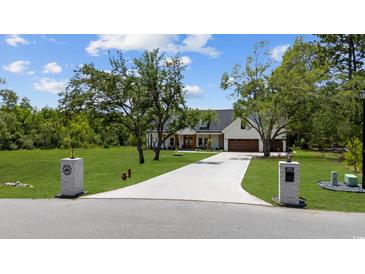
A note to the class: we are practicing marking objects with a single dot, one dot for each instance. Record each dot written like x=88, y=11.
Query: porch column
x=176, y=141
x=221, y=141
x=284, y=145
x=261, y=145
x=180, y=141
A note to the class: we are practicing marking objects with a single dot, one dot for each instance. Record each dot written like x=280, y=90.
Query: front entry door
x=189, y=142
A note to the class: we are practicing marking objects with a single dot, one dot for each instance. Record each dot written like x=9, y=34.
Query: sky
x=39, y=66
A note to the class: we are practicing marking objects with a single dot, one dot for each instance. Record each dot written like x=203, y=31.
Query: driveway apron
x=217, y=178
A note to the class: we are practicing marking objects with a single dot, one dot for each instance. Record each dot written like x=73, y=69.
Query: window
x=171, y=142
x=204, y=125
x=245, y=125
x=200, y=141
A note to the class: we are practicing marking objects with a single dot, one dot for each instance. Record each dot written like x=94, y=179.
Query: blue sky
x=39, y=66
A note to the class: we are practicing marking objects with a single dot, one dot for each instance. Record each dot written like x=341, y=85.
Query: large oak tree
x=119, y=95
x=272, y=101
x=162, y=77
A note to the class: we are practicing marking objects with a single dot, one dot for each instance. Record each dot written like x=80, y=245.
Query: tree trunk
x=158, y=148
x=349, y=60
x=140, y=150
x=266, y=146
x=157, y=152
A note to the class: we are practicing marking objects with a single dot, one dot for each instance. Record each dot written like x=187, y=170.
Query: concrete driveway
x=217, y=178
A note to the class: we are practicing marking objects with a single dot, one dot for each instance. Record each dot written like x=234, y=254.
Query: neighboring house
x=226, y=133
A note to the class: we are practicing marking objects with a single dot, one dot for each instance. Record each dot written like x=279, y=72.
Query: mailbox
x=72, y=178
x=289, y=174
x=289, y=183
x=334, y=180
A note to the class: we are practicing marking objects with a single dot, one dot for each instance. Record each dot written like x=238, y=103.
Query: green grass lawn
x=102, y=169
x=261, y=180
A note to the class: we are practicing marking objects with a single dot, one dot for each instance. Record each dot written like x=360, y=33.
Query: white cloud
x=31, y=72
x=139, y=42
x=52, y=40
x=52, y=67
x=193, y=91
x=50, y=85
x=186, y=60
x=278, y=52
x=15, y=39
x=17, y=66
x=197, y=42
x=126, y=42
x=45, y=37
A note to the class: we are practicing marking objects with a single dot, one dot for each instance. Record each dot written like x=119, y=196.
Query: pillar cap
x=72, y=159
x=288, y=163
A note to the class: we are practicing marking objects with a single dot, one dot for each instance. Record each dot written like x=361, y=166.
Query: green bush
x=66, y=142
x=353, y=157
x=26, y=143
x=13, y=146
x=132, y=140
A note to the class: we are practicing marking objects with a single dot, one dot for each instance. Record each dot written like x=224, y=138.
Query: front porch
x=189, y=141
x=212, y=141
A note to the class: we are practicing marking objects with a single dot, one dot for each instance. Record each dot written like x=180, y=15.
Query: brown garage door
x=243, y=145
x=276, y=145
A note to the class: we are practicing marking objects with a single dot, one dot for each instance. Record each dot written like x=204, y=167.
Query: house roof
x=224, y=118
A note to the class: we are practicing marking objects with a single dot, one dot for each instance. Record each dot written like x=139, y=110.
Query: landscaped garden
x=261, y=180
x=103, y=168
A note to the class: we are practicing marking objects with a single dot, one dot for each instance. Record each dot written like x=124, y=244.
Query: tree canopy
x=119, y=96
x=272, y=101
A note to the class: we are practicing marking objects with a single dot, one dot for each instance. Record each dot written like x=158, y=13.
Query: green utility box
x=350, y=180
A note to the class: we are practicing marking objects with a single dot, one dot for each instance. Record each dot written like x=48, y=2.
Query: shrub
x=66, y=142
x=27, y=143
x=132, y=140
x=13, y=146
x=354, y=155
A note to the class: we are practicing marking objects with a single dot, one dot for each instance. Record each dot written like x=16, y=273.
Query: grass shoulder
x=261, y=180
x=102, y=169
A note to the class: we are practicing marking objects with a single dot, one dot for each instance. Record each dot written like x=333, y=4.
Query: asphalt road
x=130, y=218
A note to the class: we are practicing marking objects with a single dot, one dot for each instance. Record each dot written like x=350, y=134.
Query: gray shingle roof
x=224, y=118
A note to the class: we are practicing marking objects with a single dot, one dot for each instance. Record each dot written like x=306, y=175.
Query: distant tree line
x=23, y=126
